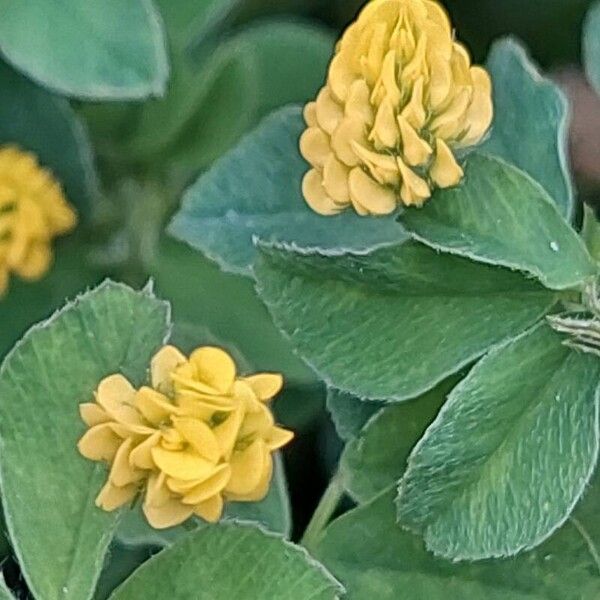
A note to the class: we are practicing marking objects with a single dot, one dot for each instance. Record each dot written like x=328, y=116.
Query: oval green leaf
x=392, y=324
x=48, y=487
x=226, y=561
x=531, y=122
x=500, y=216
x=107, y=50
x=509, y=455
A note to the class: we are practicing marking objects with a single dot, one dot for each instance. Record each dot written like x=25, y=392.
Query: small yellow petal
x=385, y=132
x=372, y=196
x=310, y=114
x=350, y=130
x=414, y=189
x=227, y=431
x=415, y=149
x=414, y=111
x=246, y=468
x=257, y=424
x=112, y=497
x=335, y=180
x=278, y=437
x=163, y=363
x=329, y=112
x=141, y=456
x=445, y=171
x=199, y=436
x=35, y=262
x=169, y=514
x=99, y=443
x=262, y=487
x=214, y=367
x=358, y=104
x=116, y=396
x=210, y=510
x=157, y=492
x=265, y=385
x=93, y=414
x=153, y=406
x=315, y=146
x=213, y=485
x=121, y=472
x=184, y=464
x=315, y=195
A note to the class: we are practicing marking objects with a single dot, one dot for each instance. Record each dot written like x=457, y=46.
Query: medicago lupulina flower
x=199, y=436
x=33, y=211
x=401, y=98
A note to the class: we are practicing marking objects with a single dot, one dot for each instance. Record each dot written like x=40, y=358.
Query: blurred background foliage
x=232, y=63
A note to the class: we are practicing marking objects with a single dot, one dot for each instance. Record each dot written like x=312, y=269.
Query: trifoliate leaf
x=230, y=560
x=509, y=455
x=109, y=50
x=255, y=191
x=499, y=215
x=392, y=324
x=48, y=487
x=531, y=122
x=375, y=558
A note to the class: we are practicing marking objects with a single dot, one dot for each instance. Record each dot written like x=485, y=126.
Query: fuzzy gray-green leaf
x=509, y=455
x=392, y=324
x=58, y=534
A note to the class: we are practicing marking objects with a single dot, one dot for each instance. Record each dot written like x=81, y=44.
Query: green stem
x=322, y=515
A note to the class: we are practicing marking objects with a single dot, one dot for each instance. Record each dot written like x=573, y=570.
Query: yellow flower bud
x=401, y=97
x=200, y=436
x=33, y=210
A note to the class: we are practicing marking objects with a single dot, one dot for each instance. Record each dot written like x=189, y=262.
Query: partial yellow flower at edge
x=33, y=211
x=401, y=98
x=200, y=436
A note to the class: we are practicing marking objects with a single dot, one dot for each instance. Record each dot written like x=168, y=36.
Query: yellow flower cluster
x=401, y=96
x=33, y=210
x=199, y=436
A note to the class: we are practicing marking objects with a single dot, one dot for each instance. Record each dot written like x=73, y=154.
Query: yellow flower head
x=198, y=436
x=33, y=211
x=401, y=96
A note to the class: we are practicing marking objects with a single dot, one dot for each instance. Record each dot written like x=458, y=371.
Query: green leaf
x=104, y=51
x=509, y=455
x=273, y=513
x=392, y=324
x=226, y=561
x=255, y=190
x=349, y=413
x=501, y=216
x=375, y=558
x=531, y=122
x=37, y=121
x=591, y=46
x=56, y=366
x=376, y=459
